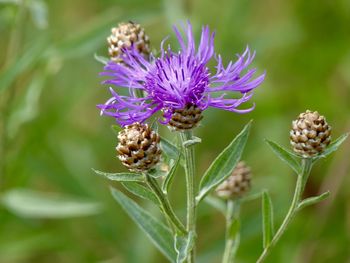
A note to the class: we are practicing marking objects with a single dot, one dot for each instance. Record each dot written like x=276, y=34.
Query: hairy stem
x=191, y=201
x=299, y=188
x=169, y=212
x=232, y=241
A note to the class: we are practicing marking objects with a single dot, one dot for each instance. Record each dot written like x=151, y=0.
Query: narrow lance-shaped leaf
x=26, y=107
x=251, y=197
x=170, y=176
x=158, y=172
x=141, y=191
x=121, y=177
x=23, y=63
x=333, y=146
x=313, y=200
x=286, y=156
x=169, y=149
x=223, y=165
x=33, y=204
x=158, y=233
x=101, y=59
x=267, y=213
x=183, y=246
x=154, y=125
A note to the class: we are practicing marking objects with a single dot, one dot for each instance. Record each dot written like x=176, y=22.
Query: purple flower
x=176, y=80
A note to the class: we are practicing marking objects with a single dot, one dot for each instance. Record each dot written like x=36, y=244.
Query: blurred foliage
x=52, y=134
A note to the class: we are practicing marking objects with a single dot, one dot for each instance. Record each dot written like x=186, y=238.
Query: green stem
x=232, y=242
x=15, y=35
x=169, y=212
x=191, y=201
x=7, y=98
x=299, y=189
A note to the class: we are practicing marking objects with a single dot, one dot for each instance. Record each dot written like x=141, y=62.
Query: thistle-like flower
x=237, y=184
x=310, y=134
x=138, y=148
x=123, y=37
x=178, y=80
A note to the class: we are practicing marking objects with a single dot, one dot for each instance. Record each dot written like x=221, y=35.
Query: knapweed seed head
x=138, y=148
x=123, y=37
x=175, y=82
x=186, y=118
x=310, y=134
x=237, y=184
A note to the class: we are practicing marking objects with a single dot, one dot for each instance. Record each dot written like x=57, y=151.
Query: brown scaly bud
x=138, y=147
x=124, y=36
x=185, y=119
x=310, y=134
x=237, y=184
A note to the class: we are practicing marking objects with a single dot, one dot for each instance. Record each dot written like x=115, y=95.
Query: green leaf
x=192, y=142
x=121, y=177
x=158, y=172
x=169, y=149
x=101, y=59
x=24, y=62
x=170, y=176
x=251, y=197
x=333, y=146
x=223, y=165
x=16, y=2
x=158, y=233
x=141, y=191
x=26, y=106
x=38, y=11
x=267, y=213
x=290, y=158
x=183, y=246
x=154, y=125
x=233, y=228
x=33, y=204
x=313, y=200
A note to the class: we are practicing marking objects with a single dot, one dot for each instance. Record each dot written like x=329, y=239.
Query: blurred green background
x=52, y=134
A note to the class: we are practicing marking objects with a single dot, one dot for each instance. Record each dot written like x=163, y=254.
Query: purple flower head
x=175, y=80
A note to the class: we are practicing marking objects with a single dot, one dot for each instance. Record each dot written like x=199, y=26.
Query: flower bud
x=237, y=184
x=125, y=35
x=310, y=134
x=186, y=118
x=138, y=147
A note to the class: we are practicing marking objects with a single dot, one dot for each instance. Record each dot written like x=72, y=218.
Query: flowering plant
x=180, y=85
x=177, y=79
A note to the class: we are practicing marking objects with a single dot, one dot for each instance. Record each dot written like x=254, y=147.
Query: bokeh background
x=52, y=134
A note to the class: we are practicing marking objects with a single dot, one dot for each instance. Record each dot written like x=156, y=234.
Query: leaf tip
x=268, y=141
x=250, y=123
x=96, y=171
